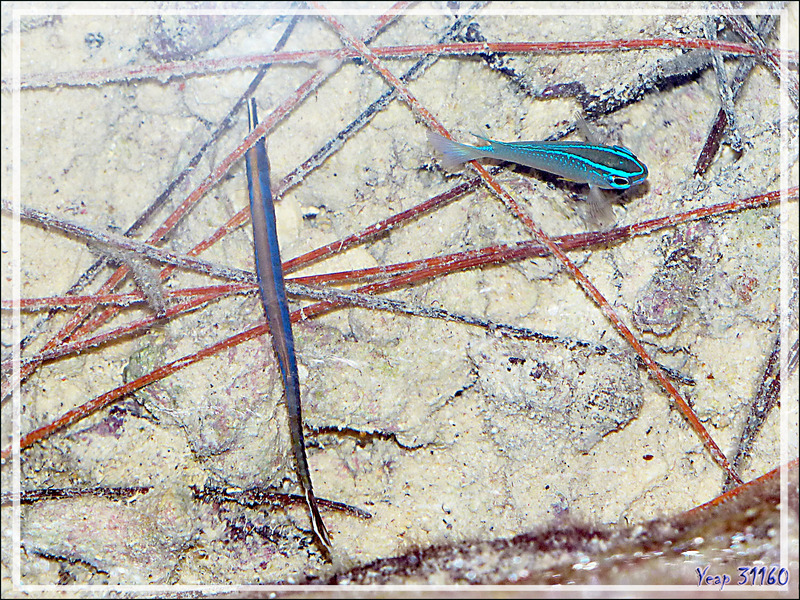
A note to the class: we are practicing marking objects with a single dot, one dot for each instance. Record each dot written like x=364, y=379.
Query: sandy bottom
x=444, y=432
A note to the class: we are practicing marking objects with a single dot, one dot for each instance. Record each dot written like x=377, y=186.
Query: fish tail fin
x=453, y=153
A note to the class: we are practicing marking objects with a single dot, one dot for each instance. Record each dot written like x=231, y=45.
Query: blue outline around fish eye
x=614, y=179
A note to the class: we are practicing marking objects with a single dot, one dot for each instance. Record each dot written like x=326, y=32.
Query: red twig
x=164, y=72
x=398, y=274
x=321, y=307
x=73, y=328
x=792, y=465
x=129, y=299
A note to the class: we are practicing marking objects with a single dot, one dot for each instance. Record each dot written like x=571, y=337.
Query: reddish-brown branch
x=129, y=299
x=792, y=465
x=103, y=400
x=498, y=254
x=414, y=271
x=138, y=325
x=166, y=71
x=74, y=327
x=322, y=307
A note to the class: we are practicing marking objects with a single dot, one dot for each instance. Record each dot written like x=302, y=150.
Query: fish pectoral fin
x=598, y=212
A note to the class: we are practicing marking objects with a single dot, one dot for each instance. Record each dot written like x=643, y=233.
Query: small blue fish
x=606, y=167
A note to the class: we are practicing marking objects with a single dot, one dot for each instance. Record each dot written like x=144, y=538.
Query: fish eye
x=620, y=182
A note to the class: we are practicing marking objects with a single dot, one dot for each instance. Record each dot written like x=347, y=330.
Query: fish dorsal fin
x=480, y=137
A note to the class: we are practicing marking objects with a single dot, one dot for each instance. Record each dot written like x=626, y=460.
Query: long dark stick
x=273, y=296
